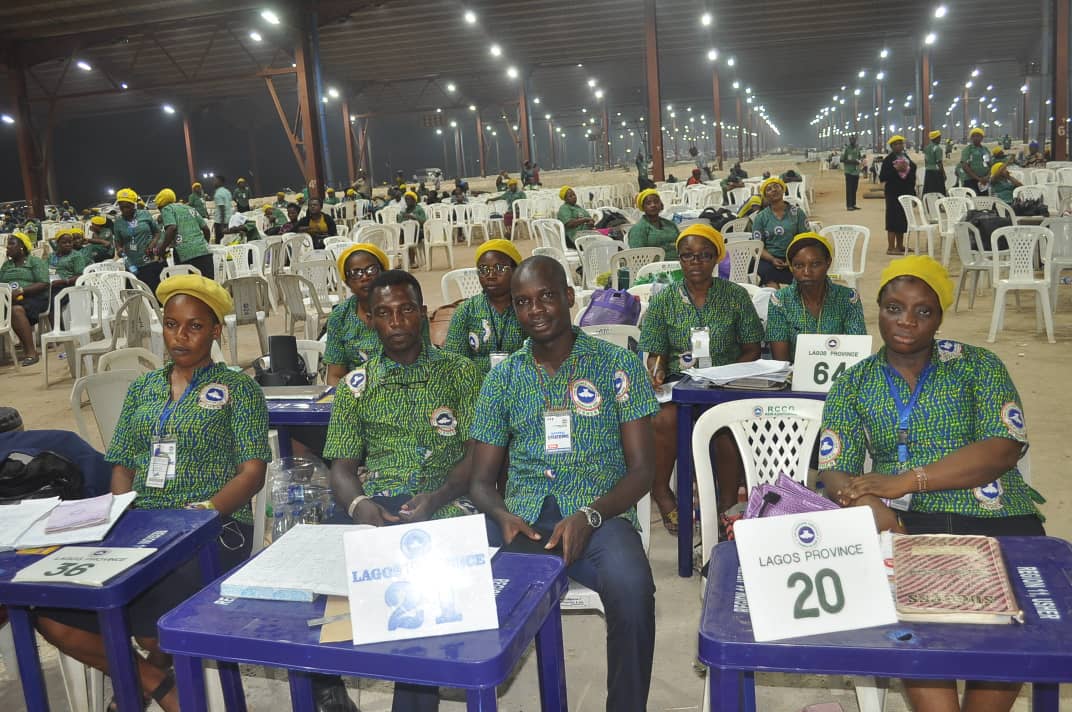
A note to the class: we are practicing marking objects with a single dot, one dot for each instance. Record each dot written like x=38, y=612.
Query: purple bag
x=611, y=306
x=785, y=496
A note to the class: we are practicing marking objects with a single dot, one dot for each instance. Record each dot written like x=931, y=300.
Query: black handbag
x=46, y=474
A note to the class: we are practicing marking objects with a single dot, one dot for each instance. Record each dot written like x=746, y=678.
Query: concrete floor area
x=1038, y=368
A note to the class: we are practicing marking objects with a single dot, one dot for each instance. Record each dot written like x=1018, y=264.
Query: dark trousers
x=204, y=263
x=851, y=184
x=970, y=183
x=615, y=566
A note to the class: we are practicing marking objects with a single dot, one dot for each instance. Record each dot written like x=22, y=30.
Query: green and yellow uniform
x=602, y=385
x=189, y=240
x=31, y=271
x=219, y=423
x=966, y=396
x=135, y=235
x=331, y=200
x=1002, y=188
x=197, y=202
x=351, y=342
x=408, y=423
x=663, y=235
x=280, y=204
x=277, y=217
x=776, y=233
x=477, y=330
x=510, y=196
x=978, y=159
x=728, y=314
x=933, y=156
x=850, y=160
x=569, y=212
x=416, y=213
x=94, y=252
x=71, y=265
x=241, y=196
x=787, y=317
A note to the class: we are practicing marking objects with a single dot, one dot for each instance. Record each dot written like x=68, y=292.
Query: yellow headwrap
x=978, y=131
x=267, y=209
x=208, y=291
x=754, y=201
x=767, y=183
x=811, y=236
x=280, y=194
x=996, y=168
x=98, y=220
x=241, y=180
x=924, y=268
x=126, y=195
x=504, y=246
x=411, y=194
x=643, y=195
x=25, y=240
x=997, y=151
x=894, y=139
x=361, y=247
x=60, y=233
x=331, y=191
x=351, y=191
x=512, y=181
x=934, y=134
x=708, y=233
x=77, y=231
x=562, y=192
x=195, y=185
x=164, y=198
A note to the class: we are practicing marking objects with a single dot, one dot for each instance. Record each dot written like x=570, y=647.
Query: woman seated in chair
x=69, y=262
x=413, y=210
x=99, y=244
x=1002, y=184
x=703, y=322
x=776, y=225
x=513, y=192
x=351, y=338
x=317, y=224
x=944, y=425
x=812, y=304
x=485, y=328
x=193, y=435
x=571, y=215
x=28, y=277
x=653, y=230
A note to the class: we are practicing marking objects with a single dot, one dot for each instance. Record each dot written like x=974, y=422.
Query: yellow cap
x=823, y=239
x=300, y=198
x=208, y=291
x=126, y=195
x=98, y=220
x=77, y=230
x=281, y=194
x=643, y=195
x=361, y=247
x=767, y=183
x=894, y=139
x=351, y=191
x=240, y=180
x=924, y=268
x=164, y=198
x=25, y=239
x=61, y=232
x=331, y=191
x=512, y=181
x=267, y=209
x=935, y=134
x=504, y=246
x=996, y=168
x=976, y=131
x=562, y=192
x=195, y=185
x=411, y=194
x=997, y=151
x=708, y=233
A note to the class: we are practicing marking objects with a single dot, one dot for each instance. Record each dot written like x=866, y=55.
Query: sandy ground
x=1036, y=366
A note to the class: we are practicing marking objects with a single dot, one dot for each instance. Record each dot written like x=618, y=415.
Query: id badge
x=557, y=431
x=902, y=503
x=161, y=464
x=701, y=346
x=498, y=357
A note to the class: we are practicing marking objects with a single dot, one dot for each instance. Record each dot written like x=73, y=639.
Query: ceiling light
x=736, y=85
x=940, y=11
x=880, y=76
x=270, y=17
x=862, y=73
x=454, y=124
x=324, y=99
x=470, y=17
x=496, y=50
x=930, y=38
x=123, y=85
x=168, y=109
x=472, y=107
x=511, y=72
x=535, y=100
x=451, y=87
x=884, y=53
x=547, y=117
x=591, y=82
x=712, y=54
x=975, y=72
x=439, y=132
x=84, y=65
x=706, y=19
x=731, y=61
x=7, y=119
x=333, y=92
x=599, y=93
x=255, y=36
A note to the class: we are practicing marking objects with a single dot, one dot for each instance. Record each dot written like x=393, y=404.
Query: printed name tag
x=497, y=357
x=701, y=343
x=557, y=431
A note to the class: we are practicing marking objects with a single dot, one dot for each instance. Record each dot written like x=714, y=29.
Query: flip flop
x=30, y=360
x=670, y=521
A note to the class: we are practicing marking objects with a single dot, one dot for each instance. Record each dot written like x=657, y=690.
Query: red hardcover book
x=942, y=578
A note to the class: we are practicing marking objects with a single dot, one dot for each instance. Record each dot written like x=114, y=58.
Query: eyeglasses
x=696, y=256
x=359, y=272
x=501, y=268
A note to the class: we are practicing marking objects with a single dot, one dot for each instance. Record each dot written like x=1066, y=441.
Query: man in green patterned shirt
x=574, y=415
x=975, y=162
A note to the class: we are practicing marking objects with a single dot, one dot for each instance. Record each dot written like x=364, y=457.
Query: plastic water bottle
x=301, y=493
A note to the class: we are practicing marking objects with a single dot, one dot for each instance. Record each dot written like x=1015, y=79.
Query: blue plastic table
x=693, y=398
x=178, y=535
x=1039, y=651
x=276, y=634
x=285, y=414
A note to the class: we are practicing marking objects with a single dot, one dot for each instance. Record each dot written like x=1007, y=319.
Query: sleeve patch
x=829, y=448
x=1013, y=418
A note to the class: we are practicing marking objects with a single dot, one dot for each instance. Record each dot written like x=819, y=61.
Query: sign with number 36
x=813, y=573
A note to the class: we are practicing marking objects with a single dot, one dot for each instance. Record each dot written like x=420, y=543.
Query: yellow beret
x=361, y=247
x=811, y=236
x=512, y=181
x=753, y=202
x=978, y=131
x=208, y=291
x=708, y=233
x=996, y=168
x=281, y=194
x=562, y=192
x=894, y=139
x=643, y=195
x=997, y=151
x=61, y=232
x=195, y=185
x=351, y=191
x=331, y=191
x=77, y=230
x=935, y=134
x=767, y=183
x=25, y=240
x=126, y=195
x=241, y=180
x=924, y=268
x=165, y=197
x=300, y=198
x=267, y=209
x=411, y=194
x=504, y=246
x=98, y=220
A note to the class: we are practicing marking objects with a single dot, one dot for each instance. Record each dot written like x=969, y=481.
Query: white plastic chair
x=74, y=325
x=138, y=322
x=178, y=270
x=293, y=289
x=950, y=211
x=476, y=223
x=737, y=197
x=657, y=267
x=961, y=192
x=552, y=233
x=377, y=235
x=596, y=259
x=244, y=260
x=387, y=214
x=105, y=392
x=846, y=238
x=1061, y=257
x=1024, y=241
x=407, y=244
x=334, y=240
x=1028, y=192
x=131, y=357
x=623, y=335
x=974, y=261
x=632, y=260
x=323, y=274
x=466, y=280
x=7, y=334
x=930, y=206
x=250, y=296
x=917, y=222
x=1064, y=176
x=523, y=209
x=106, y=266
x=437, y=235
x=737, y=226
x=744, y=260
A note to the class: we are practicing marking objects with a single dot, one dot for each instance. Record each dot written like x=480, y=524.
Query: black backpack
x=46, y=474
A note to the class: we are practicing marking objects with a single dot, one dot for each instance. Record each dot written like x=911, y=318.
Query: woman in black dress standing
x=898, y=172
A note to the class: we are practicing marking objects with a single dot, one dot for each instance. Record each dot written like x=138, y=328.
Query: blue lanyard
x=904, y=411
x=170, y=406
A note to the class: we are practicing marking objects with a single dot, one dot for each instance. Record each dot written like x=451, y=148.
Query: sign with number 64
x=813, y=573
x=821, y=359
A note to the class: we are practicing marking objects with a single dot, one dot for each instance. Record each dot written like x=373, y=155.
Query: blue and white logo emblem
x=832, y=343
x=621, y=386
x=757, y=412
x=416, y=543
x=1013, y=418
x=356, y=381
x=585, y=397
x=214, y=396
x=989, y=496
x=474, y=341
x=806, y=534
x=829, y=447
x=444, y=421
x=949, y=350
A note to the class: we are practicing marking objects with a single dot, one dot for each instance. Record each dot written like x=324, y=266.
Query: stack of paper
x=79, y=513
x=763, y=369
x=25, y=524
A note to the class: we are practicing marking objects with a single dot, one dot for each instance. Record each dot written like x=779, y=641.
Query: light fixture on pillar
x=731, y=61
x=472, y=107
x=930, y=39
x=333, y=92
x=535, y=100
x=884, y=53
x=451, y=87
x=712, y=55
x=599, y=93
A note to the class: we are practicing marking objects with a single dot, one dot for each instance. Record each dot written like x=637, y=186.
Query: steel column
x=655, y=108
x=28, y=162
x=606, y=136
x=309, y=103
x=740, y=128
x=1060, y=80
x=924, y=95
x=187, y=136
x=480, y=145
x=716, y=93
x=524, y=135
x=348, y=134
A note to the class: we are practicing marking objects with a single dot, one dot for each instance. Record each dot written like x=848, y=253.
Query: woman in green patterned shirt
x=193, y=435
x=944, y=425
x=27, y=275
x=776, y=225
x=571, y=215
x=812, y=304
x=69, y=261
x=653, y=230
x=351, y=339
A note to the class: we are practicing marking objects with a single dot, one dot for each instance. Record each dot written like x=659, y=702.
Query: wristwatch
x=595, y=519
